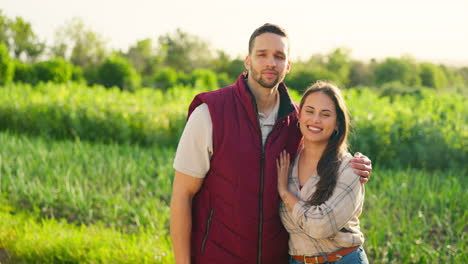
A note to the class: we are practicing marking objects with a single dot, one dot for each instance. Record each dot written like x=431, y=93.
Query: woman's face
x=318, y=118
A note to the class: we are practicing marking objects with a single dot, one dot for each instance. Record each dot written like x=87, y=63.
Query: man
x=224, y=206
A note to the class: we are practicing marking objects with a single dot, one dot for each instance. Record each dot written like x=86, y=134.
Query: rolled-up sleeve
x=325, y=220
x=195, y=147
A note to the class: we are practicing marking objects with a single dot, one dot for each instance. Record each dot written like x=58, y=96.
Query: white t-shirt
x=195, y=147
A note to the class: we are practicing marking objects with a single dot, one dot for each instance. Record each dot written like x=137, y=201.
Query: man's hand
x=362, y=166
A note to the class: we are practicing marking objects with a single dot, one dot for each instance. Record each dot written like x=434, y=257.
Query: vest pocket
x=208, y=224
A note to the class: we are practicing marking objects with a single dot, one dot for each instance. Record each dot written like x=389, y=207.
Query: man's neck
x=264, y=97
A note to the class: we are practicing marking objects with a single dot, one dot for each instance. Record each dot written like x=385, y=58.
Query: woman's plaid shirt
x=321, y=229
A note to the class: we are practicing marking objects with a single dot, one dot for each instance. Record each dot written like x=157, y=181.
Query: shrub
x=204, y=78
x=56, y=70
x=395, y=88
x=224, y=80
x=78, y=75
x=303, y=79
x=400, y=70
x=360, y=74
x=7, y=66
x=432, y=76
x=118, y=71
x=24, y=73
x=165, y=78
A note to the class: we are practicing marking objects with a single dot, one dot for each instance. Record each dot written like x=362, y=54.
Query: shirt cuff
x=298, y=212
x=190, y=172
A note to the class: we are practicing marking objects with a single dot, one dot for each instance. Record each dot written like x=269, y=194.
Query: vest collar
x=248, y=99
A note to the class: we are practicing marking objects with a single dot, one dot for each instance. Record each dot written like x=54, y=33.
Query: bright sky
x=434, y=30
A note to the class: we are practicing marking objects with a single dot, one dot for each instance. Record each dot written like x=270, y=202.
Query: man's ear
x=247, y=63
x=288, y=67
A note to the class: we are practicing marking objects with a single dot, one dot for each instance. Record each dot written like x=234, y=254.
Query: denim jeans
x=358, y=256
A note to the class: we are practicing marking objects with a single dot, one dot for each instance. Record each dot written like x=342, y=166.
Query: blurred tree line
x=80, y=54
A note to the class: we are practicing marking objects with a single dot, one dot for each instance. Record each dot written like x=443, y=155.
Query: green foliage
x=432, y=76
x=300, y=80
x=144, y=57
x=205, y=79
x=457, y=82
x=360, y=74
x=165, y=77
x=224, y=80
x=420, y=130
x=413, y=216
x=26, y=240
x=79, y=44
x=4, y=28
x=78, y=75
x=56, y=70
x=145, y=117
x=19, y=37
x=395, y=88
x=122, y=192
x=7, y=66
x=127, y=187
x=117, y=71
x=24, y=40
x=184, y=51
x=24, y=73
x=404, y=71
x=91, y=74
x=403, y=129
x=339, y=63
x=464, y=74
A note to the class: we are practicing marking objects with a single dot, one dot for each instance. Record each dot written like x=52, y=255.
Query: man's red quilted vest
x=235, y=214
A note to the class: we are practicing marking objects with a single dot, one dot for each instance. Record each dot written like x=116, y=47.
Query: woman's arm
x=282, y=164
x=326, y=219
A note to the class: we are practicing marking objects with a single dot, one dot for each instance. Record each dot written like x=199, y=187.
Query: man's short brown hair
x=267, y=28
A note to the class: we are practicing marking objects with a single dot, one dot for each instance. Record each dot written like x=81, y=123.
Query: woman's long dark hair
x=337, y=146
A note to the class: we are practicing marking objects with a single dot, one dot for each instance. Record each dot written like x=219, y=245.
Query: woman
x=321, y=195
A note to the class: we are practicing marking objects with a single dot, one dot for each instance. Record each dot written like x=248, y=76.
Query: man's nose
x=271, y=62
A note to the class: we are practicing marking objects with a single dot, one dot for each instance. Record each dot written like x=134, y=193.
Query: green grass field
x=80, y=202
x=86, y=173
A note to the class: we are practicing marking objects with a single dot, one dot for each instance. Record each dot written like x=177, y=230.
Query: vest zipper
x=262, y=172
x=262, y=164
x=260, y=224
x=208, y=224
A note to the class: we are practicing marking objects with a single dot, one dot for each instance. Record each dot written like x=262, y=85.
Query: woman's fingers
x=282, y=163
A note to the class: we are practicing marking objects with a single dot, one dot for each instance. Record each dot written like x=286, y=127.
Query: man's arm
x=183, y=190
x=362, y=166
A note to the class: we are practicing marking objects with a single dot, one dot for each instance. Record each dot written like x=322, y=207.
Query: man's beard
x=258, y=77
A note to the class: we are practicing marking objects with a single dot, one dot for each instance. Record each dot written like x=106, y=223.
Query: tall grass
x=124, y=186
x=68, y=111
x=415, y=216
x=121, y=193
x=426, y=130
x=23, y=239
x=401, y=131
